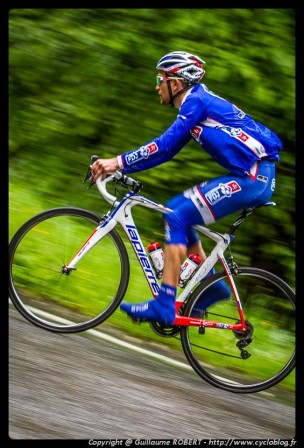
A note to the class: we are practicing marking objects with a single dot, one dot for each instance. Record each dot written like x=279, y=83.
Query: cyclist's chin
x=164, y=101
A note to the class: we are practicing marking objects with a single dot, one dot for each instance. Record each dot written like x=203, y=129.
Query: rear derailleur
x=245, y=338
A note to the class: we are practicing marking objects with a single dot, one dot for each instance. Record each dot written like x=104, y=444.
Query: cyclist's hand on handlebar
x=103, y=167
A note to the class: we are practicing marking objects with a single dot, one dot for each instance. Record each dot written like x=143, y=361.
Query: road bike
x=69, y=270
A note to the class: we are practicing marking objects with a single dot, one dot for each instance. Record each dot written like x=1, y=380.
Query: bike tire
x=47, y=297
x=269, y=309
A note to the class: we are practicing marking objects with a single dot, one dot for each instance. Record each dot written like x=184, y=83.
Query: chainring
x=161, y=330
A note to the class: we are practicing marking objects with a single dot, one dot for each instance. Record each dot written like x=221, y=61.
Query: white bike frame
x=122, y=214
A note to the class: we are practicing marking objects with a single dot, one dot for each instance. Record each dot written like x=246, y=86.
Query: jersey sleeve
x=167, y=145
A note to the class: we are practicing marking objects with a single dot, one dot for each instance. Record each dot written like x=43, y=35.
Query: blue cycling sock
x=161, y=309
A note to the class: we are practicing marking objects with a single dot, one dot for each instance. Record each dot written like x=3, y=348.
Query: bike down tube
x=125, y=219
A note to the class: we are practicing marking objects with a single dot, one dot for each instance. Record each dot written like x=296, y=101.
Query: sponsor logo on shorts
x=238, y=133
x=142, y=153
x=222, y=191
x=262, y=178
x=272, y=185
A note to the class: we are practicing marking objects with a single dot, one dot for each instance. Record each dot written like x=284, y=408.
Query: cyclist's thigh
x=211, y=200
x=227, y=194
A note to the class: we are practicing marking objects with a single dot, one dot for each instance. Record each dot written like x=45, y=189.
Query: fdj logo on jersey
x=142, y=153
x=222, y=191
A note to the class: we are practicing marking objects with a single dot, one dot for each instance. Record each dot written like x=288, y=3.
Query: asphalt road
x=78, y=387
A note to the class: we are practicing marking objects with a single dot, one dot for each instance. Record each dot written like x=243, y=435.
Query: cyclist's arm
x=166, y=146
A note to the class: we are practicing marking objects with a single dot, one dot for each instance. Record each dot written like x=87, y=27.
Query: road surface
x=79, y=387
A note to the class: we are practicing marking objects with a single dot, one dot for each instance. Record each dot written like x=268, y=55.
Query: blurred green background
x=82, y=82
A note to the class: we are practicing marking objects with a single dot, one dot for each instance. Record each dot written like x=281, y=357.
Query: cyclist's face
x=162, y=87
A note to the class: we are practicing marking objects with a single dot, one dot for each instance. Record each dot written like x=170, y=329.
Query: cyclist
x=246, y=148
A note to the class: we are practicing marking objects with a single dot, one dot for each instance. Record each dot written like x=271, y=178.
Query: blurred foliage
x=82, y=82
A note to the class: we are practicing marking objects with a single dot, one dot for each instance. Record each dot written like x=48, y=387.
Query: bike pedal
x=136, y=320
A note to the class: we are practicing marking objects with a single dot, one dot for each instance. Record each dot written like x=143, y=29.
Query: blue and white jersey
x=231, y=137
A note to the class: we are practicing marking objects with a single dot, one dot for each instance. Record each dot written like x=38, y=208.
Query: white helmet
x=184, y=65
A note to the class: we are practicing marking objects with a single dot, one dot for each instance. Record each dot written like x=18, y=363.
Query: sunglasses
x=160, y=79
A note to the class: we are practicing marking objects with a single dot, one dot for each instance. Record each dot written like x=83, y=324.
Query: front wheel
x=257, y=359
x=66, y=302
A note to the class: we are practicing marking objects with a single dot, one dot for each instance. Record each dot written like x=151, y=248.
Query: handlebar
x=117, y=177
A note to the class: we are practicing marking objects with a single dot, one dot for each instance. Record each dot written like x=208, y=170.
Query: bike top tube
x=135, y=187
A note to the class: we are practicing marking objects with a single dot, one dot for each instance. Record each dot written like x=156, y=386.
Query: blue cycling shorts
x=214, y=199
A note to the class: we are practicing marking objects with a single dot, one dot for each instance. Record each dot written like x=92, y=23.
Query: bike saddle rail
x=246, y=212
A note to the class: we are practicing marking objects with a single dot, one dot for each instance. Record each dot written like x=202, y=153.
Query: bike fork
x=101, y=230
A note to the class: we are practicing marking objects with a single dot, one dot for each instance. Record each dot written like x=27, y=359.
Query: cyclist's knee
x=180, y=220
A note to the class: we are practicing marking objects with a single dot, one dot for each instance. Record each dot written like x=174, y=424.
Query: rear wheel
x=62, y=301
x=253, y=360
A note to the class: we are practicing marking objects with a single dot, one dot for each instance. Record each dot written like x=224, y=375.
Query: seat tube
x=233, y=288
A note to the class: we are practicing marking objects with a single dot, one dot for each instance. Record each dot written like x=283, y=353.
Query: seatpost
x=246, y=212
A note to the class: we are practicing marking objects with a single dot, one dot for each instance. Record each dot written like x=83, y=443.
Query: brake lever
x=89, y=174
